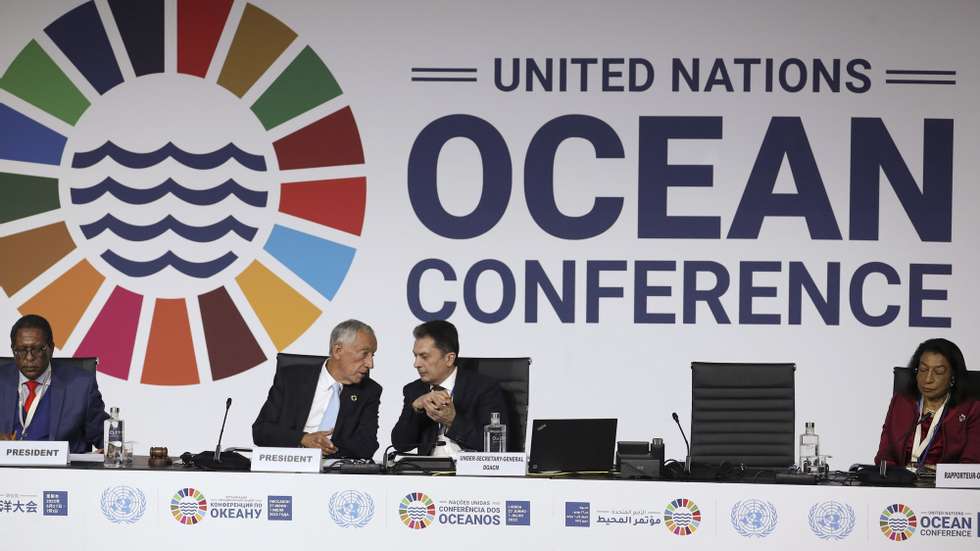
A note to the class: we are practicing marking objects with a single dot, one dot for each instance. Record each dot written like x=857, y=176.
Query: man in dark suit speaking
x=446, y=409
x=41, y=401
x=333, y=406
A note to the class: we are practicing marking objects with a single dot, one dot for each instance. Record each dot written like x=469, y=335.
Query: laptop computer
x=557, y=445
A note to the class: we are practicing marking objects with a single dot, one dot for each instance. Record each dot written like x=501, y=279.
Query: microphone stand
x=688, y=460
x=217, y=449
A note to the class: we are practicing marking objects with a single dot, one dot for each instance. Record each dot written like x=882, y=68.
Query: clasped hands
x=438, y=405
x=320, y=439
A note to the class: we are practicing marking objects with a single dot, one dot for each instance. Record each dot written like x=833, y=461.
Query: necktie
x=31, y=395
x=333, y=408
x=441, y=430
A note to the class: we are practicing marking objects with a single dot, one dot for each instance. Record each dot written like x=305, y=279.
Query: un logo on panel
x=351, y=509
x=832, y=520
x=123, y=504
x=754, y=518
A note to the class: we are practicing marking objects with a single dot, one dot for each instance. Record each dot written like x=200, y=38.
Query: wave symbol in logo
x=898, y=522
x=188, y=506
x=682, y=517
x=182, y=209
x=417, y=511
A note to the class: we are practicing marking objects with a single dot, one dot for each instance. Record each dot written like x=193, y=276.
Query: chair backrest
x=512, y=374
x=88, y=364
x=286, y=361
x=743, y=413
x=900, y=381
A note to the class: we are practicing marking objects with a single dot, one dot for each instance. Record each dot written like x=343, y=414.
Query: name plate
x=957, y=475
x=286, y=460
x=33, y=453
x=491, y=464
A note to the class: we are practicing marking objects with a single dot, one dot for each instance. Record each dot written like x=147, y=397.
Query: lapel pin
x=962, y=417
x=353, y=397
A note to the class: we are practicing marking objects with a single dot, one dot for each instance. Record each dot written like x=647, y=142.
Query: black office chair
x=88, y=364
x=902, y=375
x=284, y=360
x=743, y=413
x=512, y=375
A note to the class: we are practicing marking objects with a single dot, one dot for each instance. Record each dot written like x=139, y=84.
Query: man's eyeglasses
x=33, y=352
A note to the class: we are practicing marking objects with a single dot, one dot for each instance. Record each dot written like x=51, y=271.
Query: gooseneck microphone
x=217, y=449
x=687, y=462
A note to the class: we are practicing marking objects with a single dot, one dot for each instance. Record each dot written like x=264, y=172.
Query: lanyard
x=921, y=446
x=25, y=423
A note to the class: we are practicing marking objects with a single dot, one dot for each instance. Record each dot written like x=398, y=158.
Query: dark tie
x=431, y=433
x=31, y=395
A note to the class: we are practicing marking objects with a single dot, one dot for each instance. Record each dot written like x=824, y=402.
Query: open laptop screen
x=572, y=445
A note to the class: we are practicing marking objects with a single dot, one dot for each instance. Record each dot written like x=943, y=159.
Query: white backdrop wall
x=613, y=364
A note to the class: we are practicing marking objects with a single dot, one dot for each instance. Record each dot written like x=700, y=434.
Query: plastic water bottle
x=809, y=445
x=495, y=435
x=114, y=438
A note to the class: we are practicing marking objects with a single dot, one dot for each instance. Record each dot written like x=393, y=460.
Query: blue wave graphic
x=202, y=197
x=199, y=234
x=200, y=270
x=200, y=161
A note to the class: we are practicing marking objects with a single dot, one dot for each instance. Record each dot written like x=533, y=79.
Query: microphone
x=217, y=449
x=687, y=462
x=217, y=460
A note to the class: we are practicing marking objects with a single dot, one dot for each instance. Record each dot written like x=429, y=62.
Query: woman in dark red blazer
x=932, y=420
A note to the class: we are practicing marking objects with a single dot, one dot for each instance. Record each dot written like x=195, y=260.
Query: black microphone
x=217, y=449
x=687, y=462
x=222, y=461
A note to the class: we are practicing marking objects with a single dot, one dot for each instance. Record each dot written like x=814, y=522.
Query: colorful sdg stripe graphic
x=682, y=517
x=417, y=510
x=188, y=506
x=898, y=522
x=167, y=196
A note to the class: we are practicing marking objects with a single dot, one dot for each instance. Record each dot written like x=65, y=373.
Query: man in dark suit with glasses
x=43, y=401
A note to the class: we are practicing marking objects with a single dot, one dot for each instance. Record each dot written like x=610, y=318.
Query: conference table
x=182, y=507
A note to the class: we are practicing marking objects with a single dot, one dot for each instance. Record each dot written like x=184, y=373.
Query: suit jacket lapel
x=461, y=387
x=349, y=396
x=306, y=390
x=8, y=399
x=56, y=397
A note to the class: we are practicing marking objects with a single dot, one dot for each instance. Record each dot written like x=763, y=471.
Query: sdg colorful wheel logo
x=682, y=517
x=182, y=202
x=898, y=522
x=417, y=511
x=188, y=506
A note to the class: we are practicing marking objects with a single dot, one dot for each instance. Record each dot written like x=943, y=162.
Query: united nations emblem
x=350, y=508
x=754, y=518
x=123, y=504
x=831, y=520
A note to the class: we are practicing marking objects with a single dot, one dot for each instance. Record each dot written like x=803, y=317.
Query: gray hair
x=346, y=331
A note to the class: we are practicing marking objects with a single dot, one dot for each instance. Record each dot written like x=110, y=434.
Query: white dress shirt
x=450, y=448
x=321, y=398
x=44, y=380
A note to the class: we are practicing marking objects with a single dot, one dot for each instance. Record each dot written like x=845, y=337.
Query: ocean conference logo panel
x=156, y=187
